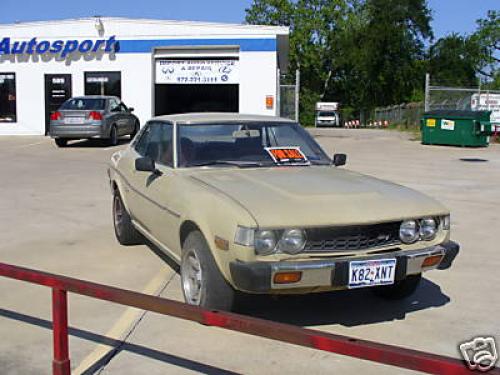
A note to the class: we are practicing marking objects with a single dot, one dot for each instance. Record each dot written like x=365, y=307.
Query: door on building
x=170, y=99
x=57, y=91
x=196, y=85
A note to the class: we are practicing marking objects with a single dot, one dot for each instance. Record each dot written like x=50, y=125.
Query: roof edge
x=278, y=29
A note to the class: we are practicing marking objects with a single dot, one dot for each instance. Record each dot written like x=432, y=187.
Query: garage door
x=196, y=85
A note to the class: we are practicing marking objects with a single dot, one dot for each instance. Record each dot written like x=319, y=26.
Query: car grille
x=348, y=238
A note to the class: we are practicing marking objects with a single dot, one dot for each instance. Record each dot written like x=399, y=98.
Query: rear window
x=83, y=104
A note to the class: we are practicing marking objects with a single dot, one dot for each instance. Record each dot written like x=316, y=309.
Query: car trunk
x=77, y=117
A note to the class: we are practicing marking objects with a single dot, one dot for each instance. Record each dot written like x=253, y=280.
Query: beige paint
x=218, y=200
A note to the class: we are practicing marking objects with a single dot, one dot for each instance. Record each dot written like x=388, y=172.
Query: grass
x=413, y=130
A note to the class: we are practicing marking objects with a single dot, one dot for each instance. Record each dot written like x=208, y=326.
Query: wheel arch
x=187, y=227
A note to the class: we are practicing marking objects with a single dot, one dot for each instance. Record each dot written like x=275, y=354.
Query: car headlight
x=428, y=228
x=408, y=231
x=292, y=241
x=264, y=242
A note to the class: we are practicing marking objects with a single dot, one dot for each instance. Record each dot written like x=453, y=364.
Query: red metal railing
x=368, y=350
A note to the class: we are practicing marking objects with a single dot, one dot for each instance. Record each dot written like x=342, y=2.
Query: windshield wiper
x=234, y=163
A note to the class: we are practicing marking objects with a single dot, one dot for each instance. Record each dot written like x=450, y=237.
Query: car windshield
x=83, y=104
x=326, y=114
x=243, y=144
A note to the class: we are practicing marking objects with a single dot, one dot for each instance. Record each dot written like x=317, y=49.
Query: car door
x=116, y=116
x=155, y=207
x=128, y=118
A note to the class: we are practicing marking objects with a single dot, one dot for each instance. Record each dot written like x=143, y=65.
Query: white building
x=155, y=66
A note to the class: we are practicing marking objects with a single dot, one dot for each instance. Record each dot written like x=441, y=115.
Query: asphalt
x=55, y=216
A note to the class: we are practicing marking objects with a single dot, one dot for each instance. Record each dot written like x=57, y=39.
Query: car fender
x=218, y=216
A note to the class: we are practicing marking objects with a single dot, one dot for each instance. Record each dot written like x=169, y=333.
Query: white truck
x=327, y=114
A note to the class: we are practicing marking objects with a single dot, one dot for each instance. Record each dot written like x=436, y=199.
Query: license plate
x=74, y=120
x=371, y=273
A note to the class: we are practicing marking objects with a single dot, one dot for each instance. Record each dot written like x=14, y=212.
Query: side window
x=113, y=105
x=156, y=143
x=142, y=143
x=123, y=108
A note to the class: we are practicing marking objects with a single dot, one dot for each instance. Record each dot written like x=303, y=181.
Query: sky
x=449, y=15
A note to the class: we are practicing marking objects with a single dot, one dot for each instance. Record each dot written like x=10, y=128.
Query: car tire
x=113, y=136
x=400, y=289
x=61, y=142
x=201, y=281
x=125, y=232
x=136, y=130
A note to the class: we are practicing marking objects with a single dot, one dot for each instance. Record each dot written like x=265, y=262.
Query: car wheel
x=61, y=142
x=136, y=130
x=202, y=282
x=400, y=289
x=125, y=232
x=113, y=136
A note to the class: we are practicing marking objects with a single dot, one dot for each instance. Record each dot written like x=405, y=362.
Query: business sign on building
x=487, y=102
x=62, y=48
x=218, y=72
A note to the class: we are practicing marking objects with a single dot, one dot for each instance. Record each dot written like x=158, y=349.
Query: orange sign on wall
x=270, y=102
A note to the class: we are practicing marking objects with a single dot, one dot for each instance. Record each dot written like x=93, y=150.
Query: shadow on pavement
x=348, y=308
x=119, y=346
x=95, y=143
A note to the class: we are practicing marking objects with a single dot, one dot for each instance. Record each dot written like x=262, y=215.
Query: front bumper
x=77, y=131
x=332, y=273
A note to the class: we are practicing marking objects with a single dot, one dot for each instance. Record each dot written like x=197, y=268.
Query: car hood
x=317, y=196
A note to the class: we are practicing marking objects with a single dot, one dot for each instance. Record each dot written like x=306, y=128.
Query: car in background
x=252, y=204
x=85, y=117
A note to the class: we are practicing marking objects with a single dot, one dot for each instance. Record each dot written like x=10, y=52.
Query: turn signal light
x=432, y=260
x=54, y=116
x=96, y=116
x=287, y=277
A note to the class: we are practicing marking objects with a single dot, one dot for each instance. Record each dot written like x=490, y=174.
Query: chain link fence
x=288, y=96
x=289, y=92
x=438, y=97
x=406, y=114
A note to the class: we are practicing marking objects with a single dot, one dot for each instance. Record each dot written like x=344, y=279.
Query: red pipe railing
x=368, y=350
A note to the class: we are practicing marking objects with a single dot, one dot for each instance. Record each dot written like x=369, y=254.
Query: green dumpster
x=456, y=128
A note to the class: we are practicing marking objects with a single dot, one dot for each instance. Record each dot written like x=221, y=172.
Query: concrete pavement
x=55, y=216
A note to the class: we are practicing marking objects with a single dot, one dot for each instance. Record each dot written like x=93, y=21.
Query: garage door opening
x=181, y=98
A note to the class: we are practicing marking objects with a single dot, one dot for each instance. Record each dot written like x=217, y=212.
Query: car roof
x=94, y=97
x=218, y=118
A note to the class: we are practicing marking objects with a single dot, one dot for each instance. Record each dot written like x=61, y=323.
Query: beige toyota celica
x=252, y=204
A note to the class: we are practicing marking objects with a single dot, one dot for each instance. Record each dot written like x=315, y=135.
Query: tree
x=315, y=27
x=453, y=60
x=457, y=60
x=363, y=53
x=486, y=45
x=391, y=51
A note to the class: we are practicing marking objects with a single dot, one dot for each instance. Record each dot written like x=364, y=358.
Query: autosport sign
x=62, y=48
x=193, y=72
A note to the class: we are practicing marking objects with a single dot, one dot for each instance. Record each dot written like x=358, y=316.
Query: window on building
x=103, y=83
x=8, y=97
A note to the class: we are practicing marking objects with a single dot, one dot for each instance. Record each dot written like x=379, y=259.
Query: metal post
x=60, y=363
x=278, y=92
x=297, y=94
x=427, y=92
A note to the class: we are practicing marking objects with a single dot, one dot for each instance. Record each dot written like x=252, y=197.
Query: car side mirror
x=131, y=109
x=145, y=164
x=339, y=160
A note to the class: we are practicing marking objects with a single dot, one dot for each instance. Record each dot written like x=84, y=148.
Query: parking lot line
x=126, y=322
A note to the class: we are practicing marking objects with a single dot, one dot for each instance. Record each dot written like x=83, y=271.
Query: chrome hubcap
x=191, y=278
